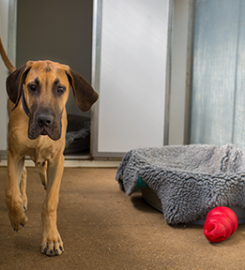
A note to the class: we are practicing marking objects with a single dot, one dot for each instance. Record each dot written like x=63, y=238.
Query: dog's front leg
x=52, y=243
x=13, y=199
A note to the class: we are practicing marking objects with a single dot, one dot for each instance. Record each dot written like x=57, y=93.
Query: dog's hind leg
x=23, y=188
x=43, y=174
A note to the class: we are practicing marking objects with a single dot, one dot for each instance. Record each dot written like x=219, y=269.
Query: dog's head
x=44, y=87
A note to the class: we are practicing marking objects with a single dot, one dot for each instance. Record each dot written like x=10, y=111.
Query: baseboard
x=74, y=163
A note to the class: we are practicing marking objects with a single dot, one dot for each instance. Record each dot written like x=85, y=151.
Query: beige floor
x=103, y=229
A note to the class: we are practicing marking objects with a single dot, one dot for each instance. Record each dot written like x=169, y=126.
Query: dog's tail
x=5, y=58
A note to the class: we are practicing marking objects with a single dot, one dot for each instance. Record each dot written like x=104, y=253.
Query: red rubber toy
x=221, y=222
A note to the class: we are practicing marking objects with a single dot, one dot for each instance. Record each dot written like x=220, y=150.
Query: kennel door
x=129, y=72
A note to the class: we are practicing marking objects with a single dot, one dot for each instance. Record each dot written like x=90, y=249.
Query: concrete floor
x=103, y=229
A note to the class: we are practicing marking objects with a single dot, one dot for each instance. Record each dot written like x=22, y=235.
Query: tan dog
x=38, y=92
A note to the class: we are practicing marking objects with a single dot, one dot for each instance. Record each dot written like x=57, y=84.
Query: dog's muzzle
x=44, y=123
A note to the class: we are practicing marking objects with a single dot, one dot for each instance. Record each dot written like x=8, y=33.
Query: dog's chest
x=43, y=151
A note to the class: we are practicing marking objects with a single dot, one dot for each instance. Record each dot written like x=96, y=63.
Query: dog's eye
x=61, y=89
x=32, y=87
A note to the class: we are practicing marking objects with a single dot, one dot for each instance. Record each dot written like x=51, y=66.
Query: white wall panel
x=132, y=74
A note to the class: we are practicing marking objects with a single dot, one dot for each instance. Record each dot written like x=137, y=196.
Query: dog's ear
x=84, y=94
x=15, y=81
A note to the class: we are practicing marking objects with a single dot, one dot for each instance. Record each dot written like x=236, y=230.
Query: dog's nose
x=45, y=120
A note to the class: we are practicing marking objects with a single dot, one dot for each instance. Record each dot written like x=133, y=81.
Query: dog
x=38, y=92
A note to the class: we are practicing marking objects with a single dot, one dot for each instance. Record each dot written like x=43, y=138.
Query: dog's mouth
x=44, y=132
x=35, y=131
x=52, y=129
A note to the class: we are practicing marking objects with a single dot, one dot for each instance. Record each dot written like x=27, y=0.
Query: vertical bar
x=168, y=73
x=235, y=108
x=189, y=65
x=96, y=56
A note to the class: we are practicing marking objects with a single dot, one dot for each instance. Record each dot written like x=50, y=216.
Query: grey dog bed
x=78, y=134
x=189, y=180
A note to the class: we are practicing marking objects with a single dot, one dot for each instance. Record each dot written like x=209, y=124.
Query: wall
x=218, y=99
x=3, y=74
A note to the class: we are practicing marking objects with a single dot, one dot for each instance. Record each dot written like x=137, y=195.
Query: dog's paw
x=52, y=248
x=16, y=207
x=17, y=220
